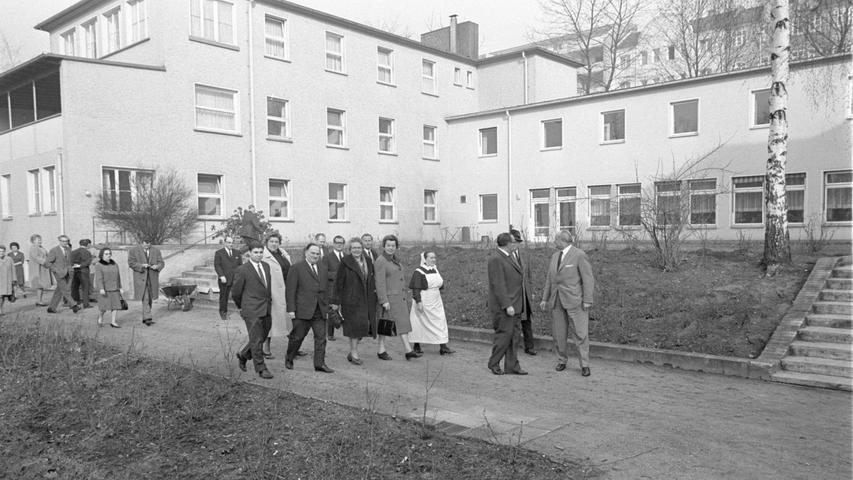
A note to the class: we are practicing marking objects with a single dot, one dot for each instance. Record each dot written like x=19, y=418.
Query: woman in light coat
x=40, y=276
x=391, y=292
x=279, y=261
x=7, y=278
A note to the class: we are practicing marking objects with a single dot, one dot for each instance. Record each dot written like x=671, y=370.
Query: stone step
x=831, y=295
x=843, y=271
x=826, y=334
x=828, y=320
x=811, y=380
x=836, y=351
x=819, y=366
x=205, y=269
x=845, y=308
x=197, y=274
x=839, y=283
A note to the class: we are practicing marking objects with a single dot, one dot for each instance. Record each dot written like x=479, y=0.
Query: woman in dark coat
x=355, y=296
x=108, y=284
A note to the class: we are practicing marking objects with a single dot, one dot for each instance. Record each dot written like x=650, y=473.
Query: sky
x=503, y=23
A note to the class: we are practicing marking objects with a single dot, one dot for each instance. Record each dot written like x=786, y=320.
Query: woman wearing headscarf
x=40, y=276
x=108, y=284
x=355, y=296
x=279, y=261
x=390, y=289
x=429, y=324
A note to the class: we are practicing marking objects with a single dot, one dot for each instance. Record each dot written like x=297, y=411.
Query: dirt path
x=633, y=421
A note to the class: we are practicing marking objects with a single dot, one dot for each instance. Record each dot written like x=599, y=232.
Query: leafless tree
x=825, y=26
x=161, y=208
x=10, y=54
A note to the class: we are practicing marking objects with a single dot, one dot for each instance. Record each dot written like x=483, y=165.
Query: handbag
x=123, y=303
x=336, y=318
x=386, y=327
x=12, y=297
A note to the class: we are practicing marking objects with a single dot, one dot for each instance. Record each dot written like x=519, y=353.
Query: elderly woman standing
x=355, y=295
x=279, y=262
x=108, y=284
x=429, y=324
x=7, y=277
x=40, y=276
x=390, y=289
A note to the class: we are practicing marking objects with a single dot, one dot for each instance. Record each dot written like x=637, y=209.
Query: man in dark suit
x=59, y=262
x=331, y=261
x=307, y=306
x=508, y=304
x=225, y=262
x=567, y=295
x=250, y=226
x=253, y=296
x=526, y=323
x=146, y=262
x=369, y=251
x=81, y=258
x=320, y=239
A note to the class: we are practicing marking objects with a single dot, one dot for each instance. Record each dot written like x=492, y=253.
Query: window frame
x=480, y=150
x=281, y=120
x=752, y=110
x=218, y=196
x=676, y=193
x=332, y=55
x=796, y=188
x=132, y=182
x=140, y=28
x=537, y=201
x=235, y=95
x=34, y=192
x=282, y=40
x=571, y=198
x=745, y=191
x=433, y=144
x=110, y=37
x=342, y=202
x=692, y=191
x=216, y=36
x=5, y=196
x=90, y=32
x=433, y=206
x=428, y=79
x=638, y=195
x=71, y=34
x=286, y=200
x=672, y=105
x=342, y=128
x=389, y=136
x=603, y=140
x=835, y=185
x=392, y=204
x=543, y=145
x=469, y=79
x=597, y=198
x=389, y=68
x=481, y=218
x=457, y=76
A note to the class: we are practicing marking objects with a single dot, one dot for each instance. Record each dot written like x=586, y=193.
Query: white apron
x=431, y=325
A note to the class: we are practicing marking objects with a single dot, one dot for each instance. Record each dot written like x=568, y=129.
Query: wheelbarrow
x=179, y=295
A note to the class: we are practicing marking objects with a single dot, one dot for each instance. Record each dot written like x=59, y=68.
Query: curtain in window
x=274, y=30
x=703, y=209
x=748, y=207
x=795, y=200
x=226, y=30
x=839, y=204
x=215, y=109
x=599, y=212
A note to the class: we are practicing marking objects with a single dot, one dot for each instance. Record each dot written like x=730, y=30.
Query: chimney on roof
x=453, y=26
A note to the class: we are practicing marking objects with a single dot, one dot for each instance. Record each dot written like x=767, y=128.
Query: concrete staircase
x=822, y=353
x=202, y=275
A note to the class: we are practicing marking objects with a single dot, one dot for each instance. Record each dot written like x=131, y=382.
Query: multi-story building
x=329, y=125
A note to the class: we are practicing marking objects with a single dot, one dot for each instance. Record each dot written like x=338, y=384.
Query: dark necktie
x=261, y=274
x=516, y=259
x=314, y=269
x=559, y=259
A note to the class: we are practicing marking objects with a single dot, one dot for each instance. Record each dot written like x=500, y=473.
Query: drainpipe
x=60, y=191
x=526, y=81
x=508, y=167
x=252, y=140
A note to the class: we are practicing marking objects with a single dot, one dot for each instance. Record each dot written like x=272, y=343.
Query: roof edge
x=534, y=50
x=52, y=57
x=56, y=19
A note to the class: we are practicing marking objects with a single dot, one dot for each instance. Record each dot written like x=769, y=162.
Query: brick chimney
x=459, y=38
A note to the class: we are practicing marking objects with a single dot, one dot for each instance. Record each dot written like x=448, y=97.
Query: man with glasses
x=59, y=262
x=331, y=262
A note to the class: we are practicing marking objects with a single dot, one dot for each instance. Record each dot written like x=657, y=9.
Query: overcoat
x=135, y=260
x=40, y=276
x=356, y=295
x=391, y=288
x=281, y=322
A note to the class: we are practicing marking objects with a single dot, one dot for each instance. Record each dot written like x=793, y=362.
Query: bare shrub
x=816, y=233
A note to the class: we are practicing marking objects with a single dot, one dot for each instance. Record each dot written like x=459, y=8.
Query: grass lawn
x=72, y=408
x=716, y=303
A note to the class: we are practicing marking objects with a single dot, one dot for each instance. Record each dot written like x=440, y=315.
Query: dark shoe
x=412, y=354
x=496, y=370
x=353, y=360
x=518, y=372
x=417, y=349
x=76, y=308
x=560, y=367
x=383, y=356
x=41, y=304
x=300, y=353
x=268, y=356
x=288, y=364
x=50, y=310
x=585, y=371
x=331, y=338
x=87, y=306
x=114, y=325
x=223, y=316
x=324, y=369
x=530, y=351
x=148, y=322
x=444, y=350
x=241, y=362
x=265, y=374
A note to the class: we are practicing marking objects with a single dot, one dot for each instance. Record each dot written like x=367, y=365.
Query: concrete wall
x=550, y=80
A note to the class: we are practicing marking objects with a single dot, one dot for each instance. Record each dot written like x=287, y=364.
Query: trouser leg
x=318, y=328
x=75, y=286
x=580, y=333
x=61, y=292
x=257, y=328
x=146, y=302
x=294, y=339
x=527, y=333
x=559, y=330
x=85, y=286
x=507, y=329
x=224, y=293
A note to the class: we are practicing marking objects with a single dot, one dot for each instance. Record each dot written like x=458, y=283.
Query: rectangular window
x=430, y=206
x=22, y=104
x=685, y=117
x=703, y=201
x=613, y=125
x=540, y=211
x=112, y=31
x=644, y=58
x=138, y=21
x=749, y=200
x=386, y=135
x=335, y=52
x=69, y=42
x=838, y=196
x=488, y=141
x=212, y=20
x=428, y=77
x=337, y=202
x=625, y=61
x=668, y=202
x=5, y=206
x=430, y=142
x=385, y=65
x=566, y=198
x=34, y=192
x=670, y=52
x=335, y=128
x=278, y=118
x=629, y=204
x=209, y=195
x=489, y=208
x=387, y=204
x=552, y=133
x=656, y=55
x=599, y=206
x=279, y=195
x=49, y=188
x=90, y=38
x=457, y=76
x=761, y=107
x=275, y=38
x=795, y=193
x=120, y=187
x=469, y=79
x=216, y=109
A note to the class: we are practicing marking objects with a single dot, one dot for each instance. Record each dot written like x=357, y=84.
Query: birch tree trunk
x=777, y=249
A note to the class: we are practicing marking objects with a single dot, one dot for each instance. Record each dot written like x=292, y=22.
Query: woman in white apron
x=429, y=325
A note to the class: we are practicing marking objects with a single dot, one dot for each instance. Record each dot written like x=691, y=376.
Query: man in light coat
x=147, y=263
x=568, y=293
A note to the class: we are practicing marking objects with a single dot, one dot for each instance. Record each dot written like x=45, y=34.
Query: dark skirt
x=110, y=301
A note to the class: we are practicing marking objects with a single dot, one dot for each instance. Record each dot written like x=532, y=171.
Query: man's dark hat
x=516, y=235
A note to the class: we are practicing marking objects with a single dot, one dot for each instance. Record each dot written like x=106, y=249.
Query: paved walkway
x=632, y=421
